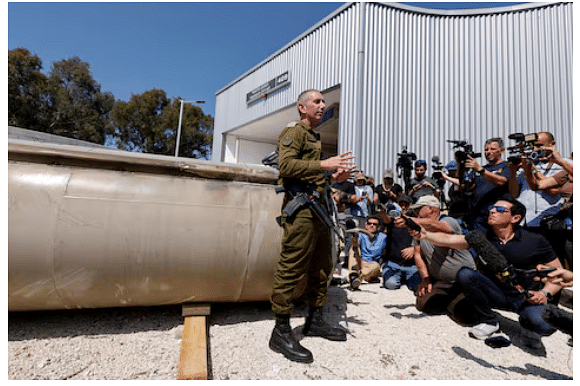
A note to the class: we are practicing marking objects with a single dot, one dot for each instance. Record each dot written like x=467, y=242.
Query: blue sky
x=190, y=50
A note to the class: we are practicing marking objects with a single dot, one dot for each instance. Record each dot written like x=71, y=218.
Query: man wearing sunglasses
x=522, y=250
x=366, y=253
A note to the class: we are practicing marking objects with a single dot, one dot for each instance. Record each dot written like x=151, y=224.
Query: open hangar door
x=250, y=143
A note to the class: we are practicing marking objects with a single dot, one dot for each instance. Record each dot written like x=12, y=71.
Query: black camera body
x=405, y=161
x=524, y=147
x=437, y=167
x=466, y=150
x=405, y=165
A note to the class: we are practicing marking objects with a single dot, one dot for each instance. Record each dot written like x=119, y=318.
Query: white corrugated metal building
x=399, y=76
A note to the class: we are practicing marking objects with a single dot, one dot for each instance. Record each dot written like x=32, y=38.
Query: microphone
x=493, y=259
x=487, y=252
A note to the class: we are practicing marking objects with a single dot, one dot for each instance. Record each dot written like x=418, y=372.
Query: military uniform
x=306, y=254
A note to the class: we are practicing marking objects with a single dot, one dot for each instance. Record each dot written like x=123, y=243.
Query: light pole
x=178, y=136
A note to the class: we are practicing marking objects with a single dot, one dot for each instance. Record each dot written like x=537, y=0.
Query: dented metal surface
x=92, y=228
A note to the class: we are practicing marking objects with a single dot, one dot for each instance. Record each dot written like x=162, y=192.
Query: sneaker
x=482, y=331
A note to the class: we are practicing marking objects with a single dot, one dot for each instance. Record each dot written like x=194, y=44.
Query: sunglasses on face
x=498, y=208
x=373, y=223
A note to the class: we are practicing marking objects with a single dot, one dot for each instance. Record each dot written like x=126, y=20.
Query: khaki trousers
x=367, y=270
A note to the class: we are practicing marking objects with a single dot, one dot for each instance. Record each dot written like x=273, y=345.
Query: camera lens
x=536, y=155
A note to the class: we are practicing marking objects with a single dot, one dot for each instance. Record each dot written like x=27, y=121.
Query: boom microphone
x=493, y=259
x=487, y=252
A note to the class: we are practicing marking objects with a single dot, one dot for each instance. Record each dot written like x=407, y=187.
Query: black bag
x=560, y=221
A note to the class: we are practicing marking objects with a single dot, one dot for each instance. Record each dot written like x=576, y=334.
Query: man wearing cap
x=388, y=192
x=364, y=196
x=421, y=185
x=485, y=291
x=437, y=265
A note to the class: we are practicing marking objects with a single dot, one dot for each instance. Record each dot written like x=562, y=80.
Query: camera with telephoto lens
x=524, y=147
x=466, y=150
x=437, y=167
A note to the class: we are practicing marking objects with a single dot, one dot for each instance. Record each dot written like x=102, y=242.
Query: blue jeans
x=394, y=275
x=484, y=295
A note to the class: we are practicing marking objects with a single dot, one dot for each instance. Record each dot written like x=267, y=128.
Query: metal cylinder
x=104, y=228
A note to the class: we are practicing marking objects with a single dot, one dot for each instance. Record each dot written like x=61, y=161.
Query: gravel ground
x=388, y=339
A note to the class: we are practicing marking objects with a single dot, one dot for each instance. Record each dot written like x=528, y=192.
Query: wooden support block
x=195, y=309
x=193, y=356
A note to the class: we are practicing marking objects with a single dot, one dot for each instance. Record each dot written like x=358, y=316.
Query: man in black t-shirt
x=399, y=266
x=522, y=250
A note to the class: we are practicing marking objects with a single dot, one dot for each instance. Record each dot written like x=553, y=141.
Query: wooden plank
x=193, y=356
x=195, y=309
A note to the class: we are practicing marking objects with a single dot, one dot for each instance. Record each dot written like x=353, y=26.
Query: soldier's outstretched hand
x=342, y=161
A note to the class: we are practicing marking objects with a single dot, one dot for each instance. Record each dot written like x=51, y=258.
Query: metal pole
x=178, y=136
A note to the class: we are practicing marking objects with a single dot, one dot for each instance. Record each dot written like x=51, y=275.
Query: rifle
x=307, y=197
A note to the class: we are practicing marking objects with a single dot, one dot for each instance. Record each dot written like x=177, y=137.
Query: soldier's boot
x=315, y=325
x=283, y=341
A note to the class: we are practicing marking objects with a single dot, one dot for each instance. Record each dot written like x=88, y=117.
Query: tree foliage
x=196, y=129
x=26, y=89
x=149, y=123
x=69, y=102
x=78, y=109
x=136, y=122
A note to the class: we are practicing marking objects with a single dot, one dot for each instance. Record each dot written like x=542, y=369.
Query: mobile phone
x=534, y=272
x=497, y=342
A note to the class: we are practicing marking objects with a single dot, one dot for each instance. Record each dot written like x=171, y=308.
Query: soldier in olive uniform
x=306, y=254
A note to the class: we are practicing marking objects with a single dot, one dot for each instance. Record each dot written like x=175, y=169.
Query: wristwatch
x=480, y=172
x=548, y=295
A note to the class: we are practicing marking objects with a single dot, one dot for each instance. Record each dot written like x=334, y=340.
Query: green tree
x=26, y=90
x=196, y=129
x=148, y=123
x=76, y=106
x=135, y=122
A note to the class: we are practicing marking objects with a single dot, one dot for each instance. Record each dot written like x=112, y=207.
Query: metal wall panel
x=417, y=78
x=433, y=78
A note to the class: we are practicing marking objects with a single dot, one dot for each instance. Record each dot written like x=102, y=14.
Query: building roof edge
x=404, y=7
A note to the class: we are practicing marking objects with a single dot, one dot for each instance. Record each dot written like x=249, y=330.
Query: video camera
x=437, y=167
x=467, y=150
x=524, y=147
x=405, y=165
